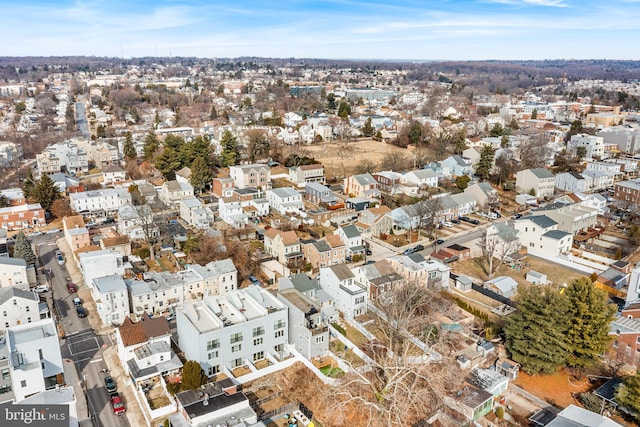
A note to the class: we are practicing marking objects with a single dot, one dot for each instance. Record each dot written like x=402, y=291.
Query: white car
x=447, y=224
x=40, y=289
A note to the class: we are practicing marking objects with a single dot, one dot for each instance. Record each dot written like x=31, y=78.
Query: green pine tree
x=367, y=128
x=168, y=163
x=229, y=145
x=535, y=333
x=22, y=249
x=200, y=174
x=151, y=145
x=628, y=394
x=485, y=164
x=45, y=192
x=344, y=110
x=590, y=316
x=129, y=151
x=192, y=376
x=28, y=184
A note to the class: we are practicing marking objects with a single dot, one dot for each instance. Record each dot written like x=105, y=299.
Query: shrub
x=339, y=329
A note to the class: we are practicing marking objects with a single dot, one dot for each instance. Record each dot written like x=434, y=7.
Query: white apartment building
x=108, y=200
x=254, y=175
x=285, y=200
x=233, y=330
x=100, y=264
x=349, y=296
x=111, y=298
x=67, y=154
x=194, y=213
x=18, y=307
x=593, y=144
x=13, y=272
x=218, y=277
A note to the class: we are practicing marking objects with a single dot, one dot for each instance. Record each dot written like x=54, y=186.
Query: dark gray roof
x=341, y=271
x=541, y=220
x=351, y=231
x=9, y=292
x=303, y=283
x=541, y=173
x=12, y=261
x=556, y=234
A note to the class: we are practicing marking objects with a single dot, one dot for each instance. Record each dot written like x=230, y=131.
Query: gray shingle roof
x=542, y=173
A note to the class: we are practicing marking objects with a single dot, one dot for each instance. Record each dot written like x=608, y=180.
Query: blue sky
x=359, y=29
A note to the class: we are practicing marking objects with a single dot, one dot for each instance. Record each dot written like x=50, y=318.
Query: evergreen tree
x=367, y=128
x=485, y=164
x=628, y=394
x=534, y=114
x=416, y=133
x=173, y=141
x=129, y=151
x=214, y=113
x=28, y=184
x=460, y=141
x=192, y=376
x=344, y=110
x=22, y=249
x=331, y=102
x=590, y=316
x=200, y=146
x=200, y=174
x=45, y=192
x=496, y=130
x=151, y=145
x=168, y=163
x=535, y=333
x=229, y=145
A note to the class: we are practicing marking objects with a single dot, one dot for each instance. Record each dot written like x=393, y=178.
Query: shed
x=536, y=278
x=463, y=284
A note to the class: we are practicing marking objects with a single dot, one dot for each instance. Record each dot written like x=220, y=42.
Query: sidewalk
x=72, y=379
x=125, y=387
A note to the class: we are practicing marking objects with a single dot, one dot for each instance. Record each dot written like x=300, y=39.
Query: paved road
x=81, y=344
x=81, y=120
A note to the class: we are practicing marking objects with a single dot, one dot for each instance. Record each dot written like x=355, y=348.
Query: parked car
x=517, y=216
x=455, y=221
x=418, y=248
x=81, y=312
x=110, y=384
x=77, y=302
x=439, y=242
x=408, y=251
x=254, y=280
x=117, y=404
x=71, y=287
x=465, y=219
x=447, y=224
x=40, y=288
x=60, y=259
x=369, y=252
x=369, y=262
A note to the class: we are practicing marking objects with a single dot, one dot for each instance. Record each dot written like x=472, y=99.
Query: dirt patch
x=555, y=389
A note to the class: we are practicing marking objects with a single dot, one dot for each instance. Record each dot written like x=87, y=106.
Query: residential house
x=312, y=290
x=363, y=185
x=466, y=203
x=594, y=145
x=113, y=174
x=120, y=244
x=214, y=404
x=13, y=196
x=457, y=166
x=233, y=330
x=137, y=222
x=75, y=232
x=570, y=217
x=173, y=191
x=352, y=238
x=231, y=212
x=218, y=277
x=10, y=153
x=101, y=152
x=415, y=267
x=627, y=140
x=574, y=415
x=319, y=253
x=485, y=195
x=283, y=245
x=600, y=179
x=540, y=235
x=111, y=298
x=377, y=278
x=377, y=220
x=194, y=213
x=184, y=175
x=305, y=174
x=502, y=239
x=13, y=272
x=573, y=181
x=625, y=332
x=100, y=263
x=349, y=296
x=18, y=307
x=157, y=293
x=253, y=175
x=106, y=201
x=144, y=349
x=222, y=187
x=626, y=192
x=22, y=217
x=65, y=155
x=308, y=331
x=35, y=361
x=473, y=154
x=320, y=195
x=504, y=286
x=285, y=200
x=470, y=401
x=389, y=182
x=538, y=181
x=489, y=380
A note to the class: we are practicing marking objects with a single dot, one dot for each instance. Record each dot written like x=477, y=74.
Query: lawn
x=337, y=348
x=332, y=372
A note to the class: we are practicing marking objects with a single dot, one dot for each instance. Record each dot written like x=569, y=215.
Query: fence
x=493, y=295
x=276, y=413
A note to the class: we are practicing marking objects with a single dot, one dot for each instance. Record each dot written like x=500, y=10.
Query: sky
x=336, y=29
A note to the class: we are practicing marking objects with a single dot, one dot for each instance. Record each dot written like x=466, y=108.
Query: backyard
x=556, y=388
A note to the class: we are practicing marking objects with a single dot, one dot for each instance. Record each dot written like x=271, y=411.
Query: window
x=258, y=331
x=236, y=362
x=615, y=343
x=258, y=356
x=28, y=308
x=236, y=337
x=279, y=333
x=236, y=347
x=279, y=324
x=214, y=370
x=40, y=353
x=213, y=355
x=258, y=341
x=213, y=344
x=278, y=348
x=319, y=339
x=23, y=383
x=5, y=374
x=28, y=319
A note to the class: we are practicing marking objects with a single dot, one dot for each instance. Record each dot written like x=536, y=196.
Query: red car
x=71, y=288
x=117, y=404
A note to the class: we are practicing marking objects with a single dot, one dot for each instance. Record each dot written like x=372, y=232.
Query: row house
x=283, y=245
x=377, y=219
x=222, y=187
x=628, y=167
x=457, y=166
x=305, y=174
x=349, y=296
x=194, y=213
x=352, y=238
x=464, y=203
x=627, y=140
x=13, y=196
x=285, y=200
x=48, y=162
x=231, y=212
x=10, y=153
x=388, y=181
x=106, y=201
x=539, y=181
x=75, y=232
x=100, y=263
x=173, y=191
x=67, y=155
x=592, y=200
x=415, y=267
x=484, y=194
x=570, y=217
x=625, y=332
x=13, y=272
x=137, y=222
x=22, y=217
x=234, y=330
x=320, y=195
x=324, y=252
x=218, y=277
x=423, y=178
x=541, y=236
x=103, y=153
x=17, y=307
x=587, y=181
x=627, y=192
x=111, y=298
x=160, y=292
x=377, y=278
x=363, y=185
x=113, y=174
x=253, y=175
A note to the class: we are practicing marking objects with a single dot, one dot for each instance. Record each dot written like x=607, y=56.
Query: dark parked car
x=418, y=248
x=455, y=221
x=369, y=262
x=465, y=219
x=110, y=384
x=254, y=280
x=474, y=222
x=439, y=242
x=81, y=312
x=369, y=252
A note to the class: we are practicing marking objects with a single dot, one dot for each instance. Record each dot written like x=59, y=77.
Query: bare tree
x=498, y=248
x=534, y=152
x=394, y=160
x=427, y=212
x=365, y=166
x=148, y=226
x=403, y=382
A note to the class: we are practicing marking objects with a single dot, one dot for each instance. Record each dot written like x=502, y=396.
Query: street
x=80, y=344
